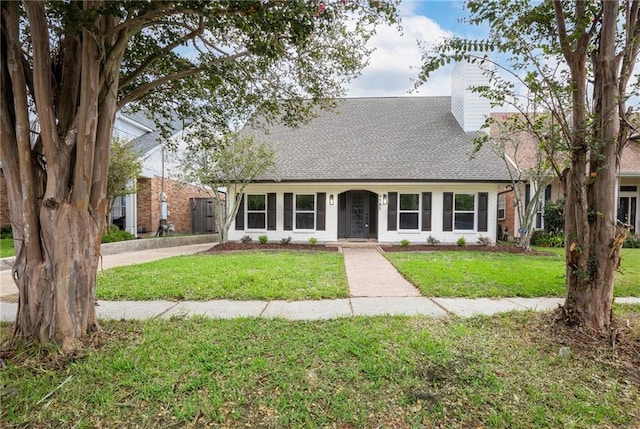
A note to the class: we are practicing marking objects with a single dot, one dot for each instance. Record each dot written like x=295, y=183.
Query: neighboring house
x=190, y=209
x=381, y=169
x=628, y=209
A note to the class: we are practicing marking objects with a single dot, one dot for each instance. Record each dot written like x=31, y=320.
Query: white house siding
x=330, y=234
x=469, y=109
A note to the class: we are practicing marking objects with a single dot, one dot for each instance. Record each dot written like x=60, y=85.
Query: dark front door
x=357, y=215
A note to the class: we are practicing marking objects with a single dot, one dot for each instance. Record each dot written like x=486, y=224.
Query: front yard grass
x=494, y=372
x=288, y=275
x=6, y=247
x=478, y=274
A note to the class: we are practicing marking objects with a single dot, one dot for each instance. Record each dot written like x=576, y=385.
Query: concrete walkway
x=376, y=288
x=370, y=274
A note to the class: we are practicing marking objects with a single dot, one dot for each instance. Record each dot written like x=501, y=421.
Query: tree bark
x=592, y=239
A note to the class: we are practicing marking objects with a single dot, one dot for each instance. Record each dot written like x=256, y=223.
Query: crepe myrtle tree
x=70, y=66
x=526, y=144
x=223, y=166
x=576, y=58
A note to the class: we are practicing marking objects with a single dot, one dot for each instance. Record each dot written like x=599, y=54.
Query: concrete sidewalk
x=371, y=275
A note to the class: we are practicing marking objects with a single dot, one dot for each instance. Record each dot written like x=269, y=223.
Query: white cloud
x=396, y=61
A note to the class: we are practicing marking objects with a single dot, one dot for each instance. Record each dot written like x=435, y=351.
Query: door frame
x=345, y=210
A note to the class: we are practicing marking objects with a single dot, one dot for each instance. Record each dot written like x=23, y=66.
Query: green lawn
x=6, y=247
x=477, y=274
x=394, y=372
x=289, y=275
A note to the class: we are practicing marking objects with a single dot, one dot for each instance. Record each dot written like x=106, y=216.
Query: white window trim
x=296, y=211
x=418, y=211
x=475, y=212
x=247, y=211
x=502, y=197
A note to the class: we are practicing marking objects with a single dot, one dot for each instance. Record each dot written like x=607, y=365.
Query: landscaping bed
x=454, y=248
x=237, y=246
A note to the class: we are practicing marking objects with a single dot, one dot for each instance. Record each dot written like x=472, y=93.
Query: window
x=256, y=211
x=501, y=205
x=305, y=214
x=464, y=211
x=409, y=211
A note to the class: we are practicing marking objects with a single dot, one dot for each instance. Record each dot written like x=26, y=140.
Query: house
x=524, y=157
x=188, y=208
x=381, y=169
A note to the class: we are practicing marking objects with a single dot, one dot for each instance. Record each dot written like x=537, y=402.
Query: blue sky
x=396, y=59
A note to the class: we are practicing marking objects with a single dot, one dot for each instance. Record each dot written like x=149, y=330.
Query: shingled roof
x=382, y=139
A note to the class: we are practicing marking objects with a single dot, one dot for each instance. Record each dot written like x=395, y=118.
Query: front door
x=357, y=215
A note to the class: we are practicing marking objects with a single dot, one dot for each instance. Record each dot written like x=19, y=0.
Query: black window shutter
x=547, y=194
x=288, y=211
x=426, y=211
x=483, y=211
x=447, y=212
x=392, y=212
x=240, y=215
x=527, y=195
x=321, y=202
x=271, y=211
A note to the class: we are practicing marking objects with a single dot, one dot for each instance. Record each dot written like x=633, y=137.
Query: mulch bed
x=452, y=248
x=236, y=246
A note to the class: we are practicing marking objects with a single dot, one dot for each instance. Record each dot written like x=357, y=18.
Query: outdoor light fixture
x=331, y=199
x=384, y=199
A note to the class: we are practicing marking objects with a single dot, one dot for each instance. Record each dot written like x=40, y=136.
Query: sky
x=396, y=59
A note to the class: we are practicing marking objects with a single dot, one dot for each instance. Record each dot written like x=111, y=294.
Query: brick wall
x=509, y=214
x=4, y=203
x=178, y=196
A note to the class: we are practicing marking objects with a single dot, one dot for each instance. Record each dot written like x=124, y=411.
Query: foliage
x=568, y=69
x=484, y=241
x=547, y=239
x=286, y=241
x=227, y=162
x=251, y=275
x=313, y=241
x=72, y=66
x=246, y=239
x=124, y=168
x=263, y=239
x=364, y=372
x=432, y=241
x=405, y=243
x=6, y=231
x=632, y=242
x=554, y=216
x=116, y=234
x=461, y=242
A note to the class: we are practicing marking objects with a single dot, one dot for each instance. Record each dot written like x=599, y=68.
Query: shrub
x=432, y=241
x=286, y=240
x=6, y=231
x=461, y=242
x=405, y=243
x=554, y=216
x=484, y=241
x=263, y=239
x=116, y=234
x=547, y=239
x=632, y=242
x=246, y=239
x=313, y=241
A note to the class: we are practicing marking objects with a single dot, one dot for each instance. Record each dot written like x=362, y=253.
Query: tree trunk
x=592, y=239
x=57, y=293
